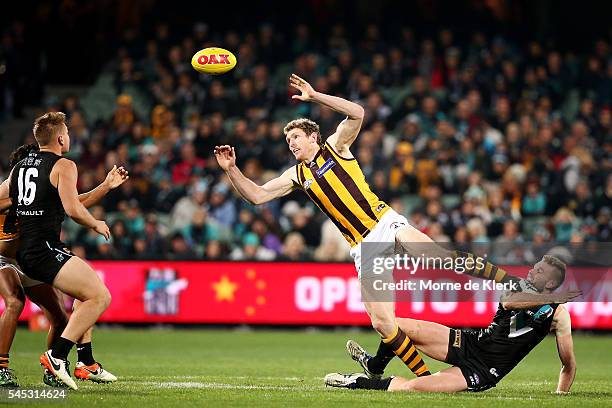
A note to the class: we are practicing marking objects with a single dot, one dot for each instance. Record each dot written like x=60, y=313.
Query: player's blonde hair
x=557, y=264
x=306, y=125
x=47, y=126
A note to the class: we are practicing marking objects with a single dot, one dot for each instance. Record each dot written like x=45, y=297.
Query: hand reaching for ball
x=304, y=87
x=226, y=156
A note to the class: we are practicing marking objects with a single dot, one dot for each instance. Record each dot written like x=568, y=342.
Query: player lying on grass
x=481, y=358
x=331, y=177
x=13, y=282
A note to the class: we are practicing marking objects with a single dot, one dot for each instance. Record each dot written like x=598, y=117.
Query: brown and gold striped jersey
x=338, y=187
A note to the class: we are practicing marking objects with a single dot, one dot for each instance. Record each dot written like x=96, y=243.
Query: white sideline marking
x=214, y=386
x=218, y=386
x=228, y=377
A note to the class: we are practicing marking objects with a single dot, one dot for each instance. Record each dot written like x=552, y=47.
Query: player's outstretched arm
x=525, y=300
x=347, y=131
x=562, y=325
x=115, y=177
x=249, y=190
x=66, y=173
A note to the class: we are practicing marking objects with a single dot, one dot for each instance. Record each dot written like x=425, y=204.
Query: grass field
x=285, y=368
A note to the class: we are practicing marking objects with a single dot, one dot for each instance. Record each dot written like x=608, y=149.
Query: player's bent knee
x=383, y=326
x=103, y=297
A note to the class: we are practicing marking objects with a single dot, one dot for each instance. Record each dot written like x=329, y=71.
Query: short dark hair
x=21, y=153
x=559, y=265
x=306, y=125
x=47, y=125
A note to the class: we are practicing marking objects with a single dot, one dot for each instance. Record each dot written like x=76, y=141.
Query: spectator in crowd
x=251, y=250
x=189, y=165
x=179, y=248
x=333, y=247
x=294, y=249
x=222, y=209
x=508, y=248
x=154, y=242
x=184, y=209
x=122, y=241
x=534, y=201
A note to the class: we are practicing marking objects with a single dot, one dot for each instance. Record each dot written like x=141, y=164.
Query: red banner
x=283, y=293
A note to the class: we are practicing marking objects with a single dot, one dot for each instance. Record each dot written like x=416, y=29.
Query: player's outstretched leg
x=485, y=270
x=414, y=241
x=448, y=380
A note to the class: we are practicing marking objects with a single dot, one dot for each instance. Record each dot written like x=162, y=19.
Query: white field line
x=219, y=386
x=255, y=378
x=226, y=377
x=213, y=385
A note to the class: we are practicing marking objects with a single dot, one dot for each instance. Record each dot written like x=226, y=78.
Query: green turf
x=285, y=368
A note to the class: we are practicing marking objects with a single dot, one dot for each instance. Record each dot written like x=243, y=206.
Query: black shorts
x=43, y=261
x=464, y=353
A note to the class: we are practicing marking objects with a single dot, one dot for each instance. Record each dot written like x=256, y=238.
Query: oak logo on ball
x=213, y=61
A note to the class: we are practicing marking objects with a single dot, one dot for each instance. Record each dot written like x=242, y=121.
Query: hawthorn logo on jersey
x=326, y=166
x=308, y=183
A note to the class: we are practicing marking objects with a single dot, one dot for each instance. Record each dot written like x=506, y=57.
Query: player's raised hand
x=307, y=91
x=101, y=228
x=116, y=177
x=226, y=156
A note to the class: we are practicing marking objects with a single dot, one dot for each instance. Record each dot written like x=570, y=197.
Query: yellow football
x=213, y=60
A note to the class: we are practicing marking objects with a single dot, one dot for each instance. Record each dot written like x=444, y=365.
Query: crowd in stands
x=474, y=139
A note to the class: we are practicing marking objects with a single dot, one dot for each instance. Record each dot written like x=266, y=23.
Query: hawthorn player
x=331, y=177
